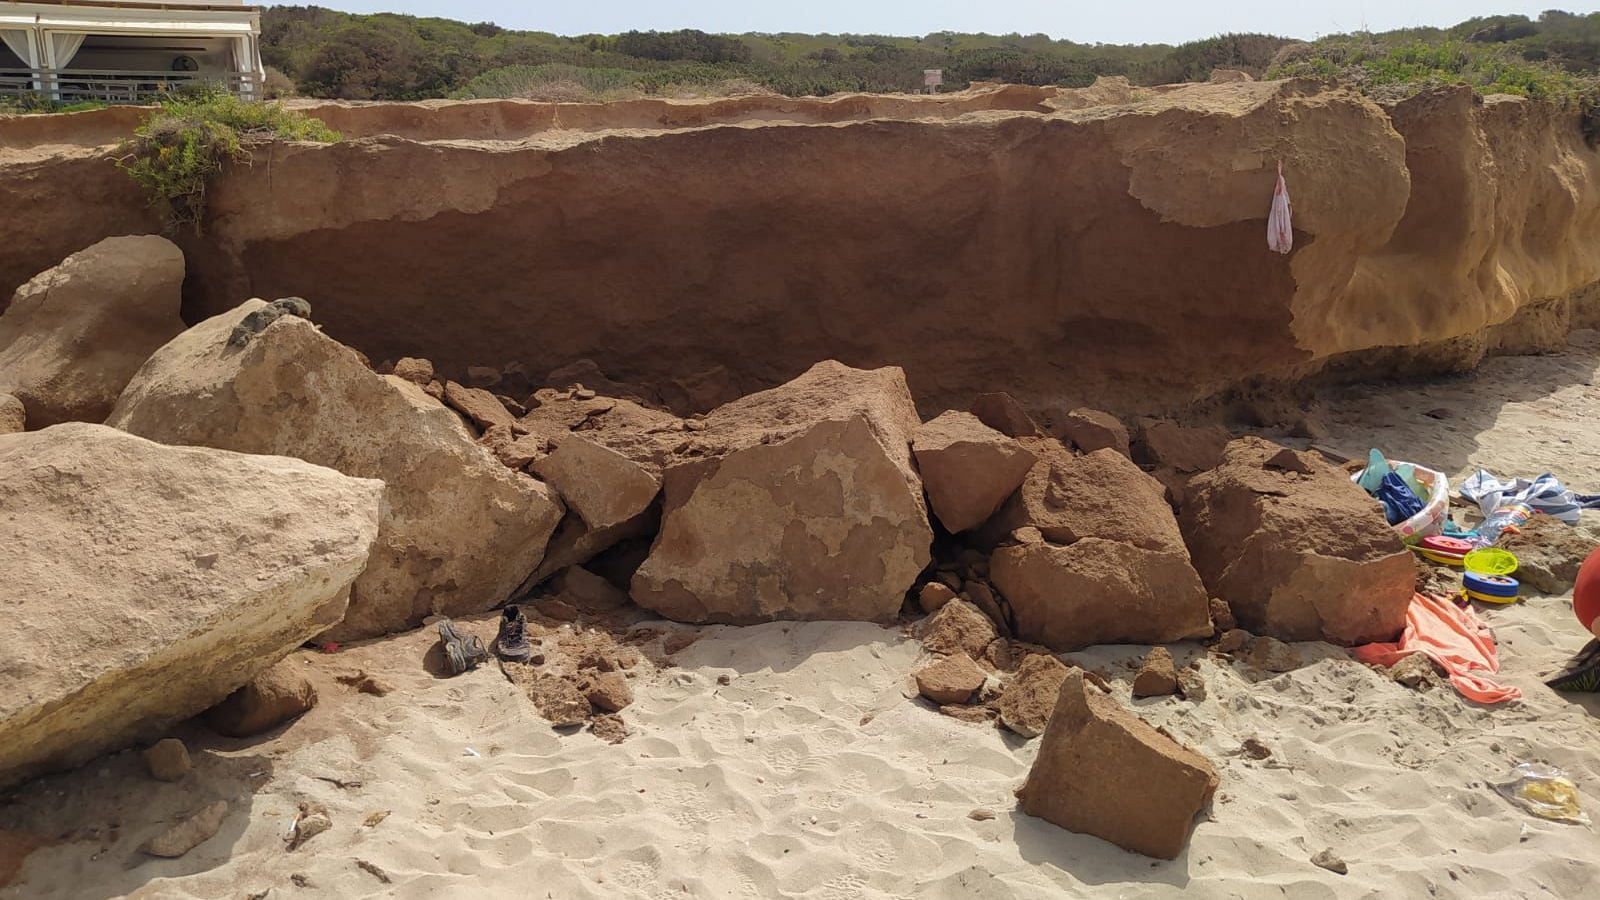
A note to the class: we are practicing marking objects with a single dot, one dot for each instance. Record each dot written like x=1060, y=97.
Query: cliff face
x=1105, y=246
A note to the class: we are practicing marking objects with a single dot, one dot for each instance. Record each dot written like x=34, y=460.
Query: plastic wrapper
x=1544, y=791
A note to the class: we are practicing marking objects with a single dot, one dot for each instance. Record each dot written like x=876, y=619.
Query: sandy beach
x=791, y=760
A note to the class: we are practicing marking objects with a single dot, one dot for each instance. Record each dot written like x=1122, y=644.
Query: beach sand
x=811, y=773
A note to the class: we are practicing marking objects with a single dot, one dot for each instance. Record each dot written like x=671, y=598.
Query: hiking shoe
x=463, y=651
x=1582, y=674
x=512, y=642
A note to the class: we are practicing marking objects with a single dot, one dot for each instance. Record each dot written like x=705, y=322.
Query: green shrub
x=177, y=151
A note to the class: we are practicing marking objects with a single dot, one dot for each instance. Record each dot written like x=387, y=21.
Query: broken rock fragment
x=1158, y=676
x=958, y=627
x=802, y=503
x=969, y=469
x=1102, y=771
x=951, y=680
x=1027, y=702
x=190, y=833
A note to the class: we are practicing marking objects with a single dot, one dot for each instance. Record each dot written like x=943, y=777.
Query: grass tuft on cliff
x=1386, y=68
x=179, y=149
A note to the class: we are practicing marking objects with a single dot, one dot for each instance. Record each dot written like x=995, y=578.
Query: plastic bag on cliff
x=1280, y=231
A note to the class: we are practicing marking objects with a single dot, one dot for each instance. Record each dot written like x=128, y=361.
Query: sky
x=1107, y=21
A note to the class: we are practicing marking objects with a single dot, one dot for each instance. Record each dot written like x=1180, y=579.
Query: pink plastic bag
x=1280, y=232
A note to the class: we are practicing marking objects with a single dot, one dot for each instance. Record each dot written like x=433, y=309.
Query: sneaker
x=463, y=651
x=512, y=643
x=1582, y=674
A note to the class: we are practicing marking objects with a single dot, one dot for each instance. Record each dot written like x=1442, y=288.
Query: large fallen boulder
x=144, y=583
x=1102, y=494
x=1296, y=549
x=803, y=504
x=75, y=334
x=460, y=531
x=969, y=468
x=1103, y=771
x=1097, y=591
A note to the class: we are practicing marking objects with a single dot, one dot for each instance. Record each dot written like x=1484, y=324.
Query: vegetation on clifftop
x=176, y=152
x=324, y=53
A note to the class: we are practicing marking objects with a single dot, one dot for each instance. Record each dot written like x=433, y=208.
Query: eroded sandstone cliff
x=1104, y=246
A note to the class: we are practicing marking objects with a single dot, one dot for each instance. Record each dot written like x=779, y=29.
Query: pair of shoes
x=512, y=643
x=1582, y=674
x=462, y=651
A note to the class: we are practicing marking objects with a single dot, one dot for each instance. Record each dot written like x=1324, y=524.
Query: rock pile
x=459, y=530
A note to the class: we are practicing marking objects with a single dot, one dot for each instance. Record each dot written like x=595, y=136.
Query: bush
x=177, y=151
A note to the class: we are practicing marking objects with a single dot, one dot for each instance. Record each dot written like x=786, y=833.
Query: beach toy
x=1444, y=559
x=1436, y=500
x=1449, y=546
x=1490, y=588
x=1490, y=561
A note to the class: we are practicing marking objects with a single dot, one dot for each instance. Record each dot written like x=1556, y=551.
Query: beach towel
x=1453, y=637
x=1543, y=494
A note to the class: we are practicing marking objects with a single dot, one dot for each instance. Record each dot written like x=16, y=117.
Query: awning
x=148, y=26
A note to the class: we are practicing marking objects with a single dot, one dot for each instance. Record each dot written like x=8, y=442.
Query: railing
x=117, y=86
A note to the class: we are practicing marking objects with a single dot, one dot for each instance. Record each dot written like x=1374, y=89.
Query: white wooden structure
x=127, y=51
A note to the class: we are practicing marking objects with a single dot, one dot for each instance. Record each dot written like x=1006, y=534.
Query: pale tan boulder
x=276, y=696
x=144, y=583
x=804, y=505
x=1102, y=771
x=75, y=334
x=968, y=468
x=460, y=531
x=13, y=415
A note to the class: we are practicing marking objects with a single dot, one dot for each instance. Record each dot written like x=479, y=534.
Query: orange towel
x=1453, y=637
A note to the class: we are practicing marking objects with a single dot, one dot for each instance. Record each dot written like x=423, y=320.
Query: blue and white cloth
x=1543, y=494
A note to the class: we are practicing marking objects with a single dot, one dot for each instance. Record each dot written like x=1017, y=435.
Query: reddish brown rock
x=953, y=679
x=803, y=503
x=1026, y=703
x=933, y=596
x=1170, y=445
x=1001, y=411
x=1104, y=772
x=1191, y=684
x=478, y=405
x=1221, y=615
x=1295, y=556
x=1158, y=676
x=608, y=691
x=604, y=487
x=416, y=371
x=1102, y=495
x=979, y=594
x=273, y=698
x=167, y=760
x=1232, y=641
x=1090, y=430
x=968, y=468
x=958, y=627
x=1100, y=592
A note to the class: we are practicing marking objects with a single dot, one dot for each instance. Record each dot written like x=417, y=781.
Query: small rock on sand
x=1272, y=655
x=1327, y=860
x=1191, y=684
x=167, y=760
x=190, y=833
x=958, y=627
x=1027, y=701
x=951, y=680
x=1232, y=641
x=609, y=692
x=1158, y=676
x=609, y=728
x=933, y=596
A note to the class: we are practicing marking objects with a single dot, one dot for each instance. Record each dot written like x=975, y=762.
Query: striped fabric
x=1543, y=494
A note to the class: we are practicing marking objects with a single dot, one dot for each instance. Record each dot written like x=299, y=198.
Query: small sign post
x=931, y=79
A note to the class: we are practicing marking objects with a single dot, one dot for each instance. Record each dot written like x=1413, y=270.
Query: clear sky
x=1107, y=21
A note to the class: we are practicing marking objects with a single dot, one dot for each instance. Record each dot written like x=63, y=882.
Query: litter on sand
x=1544, y=791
